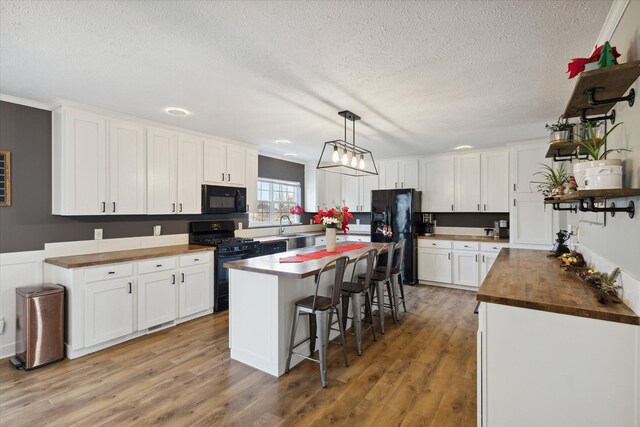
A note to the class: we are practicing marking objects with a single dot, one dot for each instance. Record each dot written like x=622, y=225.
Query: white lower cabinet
x=488, y=258
x=434, y=265
x=465, y=268
x=108, y=308
x=156, y=299
x=112, y=303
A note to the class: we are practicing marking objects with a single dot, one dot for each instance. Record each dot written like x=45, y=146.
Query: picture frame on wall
x=5, y=178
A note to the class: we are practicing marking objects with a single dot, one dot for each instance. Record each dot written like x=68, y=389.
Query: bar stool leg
x=356, y=303
x=345, y=309
x=380, y=299
x=401, y=285
x=342, y=337
x=294, y=328
x=395, y=283
x=313, y=332
x=392, y=299
x=368, y=311
x=323, y=334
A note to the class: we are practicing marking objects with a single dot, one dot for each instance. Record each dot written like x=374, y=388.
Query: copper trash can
x=39, y=326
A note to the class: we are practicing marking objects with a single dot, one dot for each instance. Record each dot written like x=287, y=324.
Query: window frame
x=272, y=183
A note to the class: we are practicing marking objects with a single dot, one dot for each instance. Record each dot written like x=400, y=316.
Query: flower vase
x=296, y=219
x=331, y=239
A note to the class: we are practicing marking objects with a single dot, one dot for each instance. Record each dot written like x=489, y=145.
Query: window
x=275, y=198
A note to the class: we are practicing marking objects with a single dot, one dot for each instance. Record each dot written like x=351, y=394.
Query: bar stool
x=381, y=283
x=355, y=289
x=396, y=274
x=321, y=309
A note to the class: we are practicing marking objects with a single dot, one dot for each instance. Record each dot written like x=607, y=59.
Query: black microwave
x=218, y=199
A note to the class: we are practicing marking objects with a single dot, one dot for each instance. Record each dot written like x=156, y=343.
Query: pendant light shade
x=346, y=158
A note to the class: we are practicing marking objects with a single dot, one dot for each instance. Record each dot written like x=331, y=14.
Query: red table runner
x=322, y=253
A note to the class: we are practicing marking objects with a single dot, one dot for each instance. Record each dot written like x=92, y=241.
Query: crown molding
x=611, y=22
x=26, y=102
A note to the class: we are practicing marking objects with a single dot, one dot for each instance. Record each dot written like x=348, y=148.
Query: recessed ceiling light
x=282, y=141
x=290, y=154
x=463, y=147
x=177, y=111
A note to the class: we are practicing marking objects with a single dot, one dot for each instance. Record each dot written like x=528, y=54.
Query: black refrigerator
x=396, y=212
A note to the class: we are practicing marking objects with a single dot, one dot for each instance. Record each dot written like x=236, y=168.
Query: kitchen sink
x=297, y=240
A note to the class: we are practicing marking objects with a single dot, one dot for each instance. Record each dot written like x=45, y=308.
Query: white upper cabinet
x=388, y=175
x=526, y=162
x=251, y=179
x=369, y=183
x=189, y=173
x=224, y=163
x=332, y=190
x=79, y=163
x=467, y=184
x=127, y=169
x=408, y=174
x=351, y=192
x=494, y=184
x=438, y=190
x=162, y=181
x=236, y=165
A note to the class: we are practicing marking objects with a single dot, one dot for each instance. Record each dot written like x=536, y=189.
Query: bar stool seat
x=353, y=287
x=322, y=303
x=381, y=282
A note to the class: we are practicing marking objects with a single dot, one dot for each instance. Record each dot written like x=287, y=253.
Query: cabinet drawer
x=194, y=259
x=321, y=240
x=353, y=238
x=466, y=246
x=156, y=264
x=430, y=243
x=492, y=247
x=108, y=272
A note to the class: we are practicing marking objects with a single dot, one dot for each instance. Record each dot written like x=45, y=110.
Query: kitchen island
x=549, y=354
x=262, y=293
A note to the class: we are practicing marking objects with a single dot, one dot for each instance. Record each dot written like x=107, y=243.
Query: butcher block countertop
x=463, y=238
x=270, y=264
x=88, y=260
x=531, y=279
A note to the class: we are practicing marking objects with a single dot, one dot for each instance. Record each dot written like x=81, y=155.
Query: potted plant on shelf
x=296, y=211
x=556, y=181
x=332, y=220
x=560, y=131
x=603, y=173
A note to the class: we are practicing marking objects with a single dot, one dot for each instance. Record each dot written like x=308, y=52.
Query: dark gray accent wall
x=29, y=224
x=272, y=168
x=470, y=219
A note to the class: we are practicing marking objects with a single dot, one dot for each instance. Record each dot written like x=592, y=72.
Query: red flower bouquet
x=337, y=217
x=296, y=210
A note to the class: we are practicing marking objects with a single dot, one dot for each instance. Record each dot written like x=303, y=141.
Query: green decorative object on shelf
x=607, y=58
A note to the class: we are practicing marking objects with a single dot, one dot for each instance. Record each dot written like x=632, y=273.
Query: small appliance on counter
x=501, y=229
x=559, y=247
x=427, y=225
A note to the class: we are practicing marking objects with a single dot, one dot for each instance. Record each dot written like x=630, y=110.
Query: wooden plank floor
x=421, y=372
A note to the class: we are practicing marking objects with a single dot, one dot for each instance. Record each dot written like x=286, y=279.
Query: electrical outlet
x=97, y=233
x=157, y=229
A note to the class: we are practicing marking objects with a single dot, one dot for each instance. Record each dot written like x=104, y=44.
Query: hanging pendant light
x=346, y=158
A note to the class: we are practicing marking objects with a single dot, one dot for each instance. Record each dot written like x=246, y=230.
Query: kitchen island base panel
x=541, y=368
x=261, y=311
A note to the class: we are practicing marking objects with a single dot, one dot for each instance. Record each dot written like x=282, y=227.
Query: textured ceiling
x=425, y=76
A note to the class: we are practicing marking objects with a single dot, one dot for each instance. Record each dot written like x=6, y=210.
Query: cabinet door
x=215, y=162
x=162, y=180
x=108, y=308
x=85, y=163
x=127, y=169
x=351, y=192
x=467, y=183
x=437, y=195
x=332, y=190
x=495, y=181
x=530, y=220
x=251, y=180
x=465, y=268
x=388, y=175
x=236, y=165
x=369, y=183
x=156, y=298
x=408, y=174
x=525, y=161
x=196, y=287
x=189, y=175
x=434, y=265
x=488, y=258
x=321, y=181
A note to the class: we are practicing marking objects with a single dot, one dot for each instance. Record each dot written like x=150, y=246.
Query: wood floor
x=421, y=372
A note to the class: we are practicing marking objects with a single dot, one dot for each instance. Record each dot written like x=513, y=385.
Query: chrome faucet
x=281, y=227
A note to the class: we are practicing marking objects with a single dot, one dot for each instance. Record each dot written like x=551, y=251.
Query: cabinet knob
x=173, y=207
x=158, y=265
x=180, y=205
x=229, y=177
x=104, y=207
x=114, y=206
x=173, y=279
x=196, y=259
x=129, y=287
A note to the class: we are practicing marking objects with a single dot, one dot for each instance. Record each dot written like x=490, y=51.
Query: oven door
x=221, y=284
x=218, y=199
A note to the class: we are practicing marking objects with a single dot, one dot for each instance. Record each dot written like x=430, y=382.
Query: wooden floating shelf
x=611, y=82
x=561, y=149
x=596, y=195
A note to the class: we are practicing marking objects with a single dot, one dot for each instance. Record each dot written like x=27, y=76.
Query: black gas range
x=228, y=248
